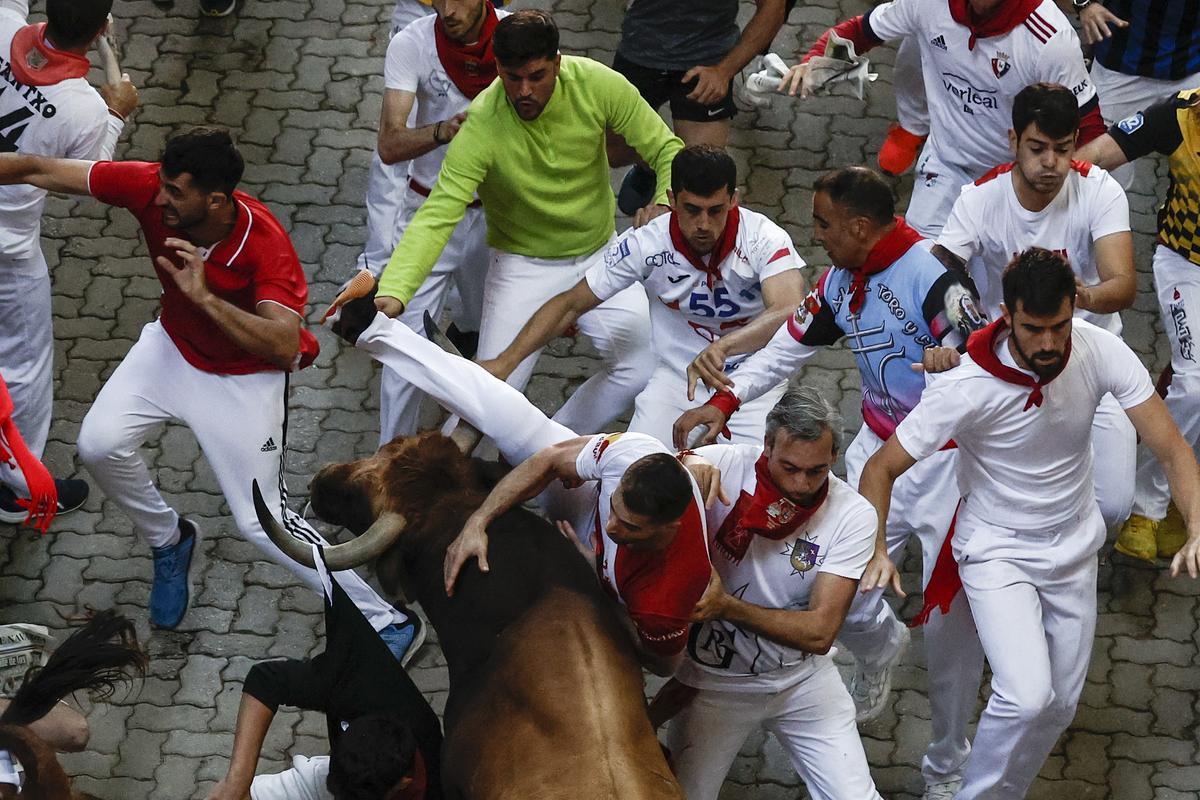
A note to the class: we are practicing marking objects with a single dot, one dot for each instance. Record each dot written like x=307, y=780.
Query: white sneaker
x=943, y=790
x=870, y=690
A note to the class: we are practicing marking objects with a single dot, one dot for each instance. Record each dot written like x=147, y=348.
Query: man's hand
x=709, y=367
x=586, y=549
x=937, y=359
x=496, y=367
x=879, y=573
x=797, y=79
x=1188, y=558
x=471, y=543
x=189, y=273
x=121, y=98
x=648, y=213
x=225, y=790
x=712, y=84
x=1083, y=294
x=694, y=417
x=1094, y=22
x=708, y=477
x=711, y=604
x=672, y=698
x=448, y=128
x=391, y=306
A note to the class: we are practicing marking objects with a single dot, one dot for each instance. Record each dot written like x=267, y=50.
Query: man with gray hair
x=787, y=556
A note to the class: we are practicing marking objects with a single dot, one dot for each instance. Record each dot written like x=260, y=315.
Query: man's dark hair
x=371, y=757
x=208, y=155
x=703, y=169
x=657, y=486
x=1050, y=105
x=525, y=35
x=74, y=23
x=861, y=191
x=1039, y=280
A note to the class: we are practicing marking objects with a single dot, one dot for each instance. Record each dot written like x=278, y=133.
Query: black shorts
x=658, y=86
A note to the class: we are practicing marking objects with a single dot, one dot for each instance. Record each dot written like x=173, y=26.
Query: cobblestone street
x=300, y=82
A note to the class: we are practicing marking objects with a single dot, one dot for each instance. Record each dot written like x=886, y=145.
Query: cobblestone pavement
x=300, y=80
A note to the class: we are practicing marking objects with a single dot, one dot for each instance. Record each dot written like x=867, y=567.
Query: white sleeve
x=1123, y=372
x=1109, y=211
x=937, y=418
x=895, y=19
x=852, y=547
x=960, y=234
x=608, y=455
x=400, y=70
x=8, y=772
x=621, y=267
x=15, y=8
x=776, y=252
x=1061, y=61
x=779, y=360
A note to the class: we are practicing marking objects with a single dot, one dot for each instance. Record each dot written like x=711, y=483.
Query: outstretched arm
x=65, y=175
x=253, y=721
x=878, y=477
x=525, y=482
x=713, y=81
x=558, y=313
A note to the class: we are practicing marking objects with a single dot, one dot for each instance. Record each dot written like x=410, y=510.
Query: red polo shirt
x=255, y=263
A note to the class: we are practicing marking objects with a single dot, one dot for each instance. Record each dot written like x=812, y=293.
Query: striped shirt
x=1162, y=40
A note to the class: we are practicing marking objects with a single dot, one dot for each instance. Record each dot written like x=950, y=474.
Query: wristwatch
x=1080, y=5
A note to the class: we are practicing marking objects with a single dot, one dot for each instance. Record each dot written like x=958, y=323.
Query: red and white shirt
x=700, y=298
x=988, y=226
x=1024, y=466
x=254, y=264
x=838, y=538
x=970, y=81
x=659, y=588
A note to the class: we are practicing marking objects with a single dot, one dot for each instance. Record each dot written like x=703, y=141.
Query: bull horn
x=373, y=543
x=464, y=434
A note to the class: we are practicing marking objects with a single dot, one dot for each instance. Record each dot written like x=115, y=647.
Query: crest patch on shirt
x=1000, y=65
x=803, y=555
x=1131, y=124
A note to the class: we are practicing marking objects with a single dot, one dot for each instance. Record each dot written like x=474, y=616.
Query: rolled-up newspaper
x=839, y=66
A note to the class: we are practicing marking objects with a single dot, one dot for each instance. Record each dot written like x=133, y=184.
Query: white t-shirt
x=658, y=588
x=988, y=227
x=412, y=65
x=693, y=311
x=1028, y=469
x=67, y=119
x=839, y=539
x=971, y=91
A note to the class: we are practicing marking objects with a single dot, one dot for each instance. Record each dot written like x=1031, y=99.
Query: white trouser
x=1124, y=95
x=304, y=781
x=813, y=720
x=935, y=188
x=240, y=422
x=464, y=263
x=912, y=110
x=923, y=503
x=665, y=398
x=1114, y=461
x=1033, y=595
x=27, y=354
x=517, y=286
x=495, y=408
x=1177, y=282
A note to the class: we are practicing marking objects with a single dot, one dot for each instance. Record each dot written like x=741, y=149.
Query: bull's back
x=560, y=715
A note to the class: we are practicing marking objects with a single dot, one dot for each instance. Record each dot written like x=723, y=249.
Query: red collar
x=712, y=267
x=36, y=63
x=765, y=513
x=472, y=67
x=887, y=251
x=230, y=247
x=1009, y=15
x=982, y=349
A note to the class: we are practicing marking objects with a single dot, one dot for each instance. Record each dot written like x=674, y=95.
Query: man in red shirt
x=217, y=359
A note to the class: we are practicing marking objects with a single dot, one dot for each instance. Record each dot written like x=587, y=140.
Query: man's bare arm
x=878, y=477
x=398, y=142
x=66, y=175
x=554, y=317
x=1104, y=152
x=1117, y=288
x=949, y=260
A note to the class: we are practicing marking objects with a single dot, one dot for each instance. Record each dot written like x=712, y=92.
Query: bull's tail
x=98, y=657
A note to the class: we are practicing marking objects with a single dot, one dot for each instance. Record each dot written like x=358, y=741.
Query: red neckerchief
x=982, y=349
x=36, y=63
x=765, y=513
x=887, y=251
x=1007, y=16
x=944, y=581
x=712, y=267
x=43, y=495
x=472, y=67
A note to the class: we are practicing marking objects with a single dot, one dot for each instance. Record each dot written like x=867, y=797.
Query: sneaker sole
x=417, y=643
x=17, y=517
x=872, y=713
x=191, y=580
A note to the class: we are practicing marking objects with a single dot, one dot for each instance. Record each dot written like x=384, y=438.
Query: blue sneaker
x=404, y=639
x=171, y=593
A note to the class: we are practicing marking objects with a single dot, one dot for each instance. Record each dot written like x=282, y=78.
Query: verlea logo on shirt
x=1183, y=333
x=970, y=96
x=1000, y=65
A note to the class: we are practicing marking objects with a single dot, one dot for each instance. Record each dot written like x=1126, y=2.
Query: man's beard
x=1044, y=370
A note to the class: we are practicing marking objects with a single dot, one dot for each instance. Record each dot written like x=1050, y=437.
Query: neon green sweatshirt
x=544, y=184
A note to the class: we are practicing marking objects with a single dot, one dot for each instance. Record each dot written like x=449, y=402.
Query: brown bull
x=545, y=692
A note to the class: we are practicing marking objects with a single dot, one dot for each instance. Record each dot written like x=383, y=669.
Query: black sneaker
x=217, y=8
x=637, y=189
x=72, y=493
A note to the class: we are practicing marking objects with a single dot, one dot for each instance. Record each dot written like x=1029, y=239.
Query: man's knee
x=1029, y=703
x=98, y=440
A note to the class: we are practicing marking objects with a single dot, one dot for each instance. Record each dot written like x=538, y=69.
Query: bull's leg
x=464, y=388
